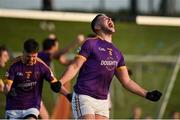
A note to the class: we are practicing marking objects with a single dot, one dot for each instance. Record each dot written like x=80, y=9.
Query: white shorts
x=84, y=104
x=15, y=114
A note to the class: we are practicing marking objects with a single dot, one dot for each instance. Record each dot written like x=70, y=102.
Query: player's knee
x=56, y=86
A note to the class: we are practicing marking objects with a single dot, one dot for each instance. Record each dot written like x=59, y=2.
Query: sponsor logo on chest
x=19, y=74
x=101, y=49
x=26, y=74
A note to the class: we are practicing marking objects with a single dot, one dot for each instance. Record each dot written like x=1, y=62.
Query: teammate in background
x=51, y=51
x=4, y=57
x=175, y=115
x=137, y=112
x=97, y=62
x=24, y=83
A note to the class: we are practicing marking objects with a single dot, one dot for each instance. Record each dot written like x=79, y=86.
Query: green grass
x=129, y=38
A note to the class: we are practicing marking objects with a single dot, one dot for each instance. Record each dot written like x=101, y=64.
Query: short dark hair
x=2, y=49
x=31, y=46
x=93, y=23
x=48, y=43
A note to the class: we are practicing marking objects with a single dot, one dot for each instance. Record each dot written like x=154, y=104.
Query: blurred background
x=147, y=32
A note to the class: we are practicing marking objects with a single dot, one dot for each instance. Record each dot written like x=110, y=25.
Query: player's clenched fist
x=154, y=95
x=56, y=86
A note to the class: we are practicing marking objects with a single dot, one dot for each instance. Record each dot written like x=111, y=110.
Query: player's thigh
x=43, y=111
x=97, y=116
x=82, y=106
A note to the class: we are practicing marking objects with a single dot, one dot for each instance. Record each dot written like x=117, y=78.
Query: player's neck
x=107, y=37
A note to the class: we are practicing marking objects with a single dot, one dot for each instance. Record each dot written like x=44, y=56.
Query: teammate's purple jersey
x=45, y=57
x=98, y=70
x=27, y=84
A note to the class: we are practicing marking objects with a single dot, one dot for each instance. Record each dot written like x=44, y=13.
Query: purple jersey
x=27, y=84
x=45, y=57
x=97, y=72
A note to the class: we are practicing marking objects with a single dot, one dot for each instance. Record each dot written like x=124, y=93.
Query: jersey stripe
x=80, y=56
x=54, y=79
x=121, y=67
x=17, y=59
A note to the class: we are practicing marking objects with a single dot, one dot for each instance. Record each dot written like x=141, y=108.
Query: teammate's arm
x=58, y=55
x=63, y=59
x=7, y=85
x=1, y=86
x=123, y=77
x=72, y=69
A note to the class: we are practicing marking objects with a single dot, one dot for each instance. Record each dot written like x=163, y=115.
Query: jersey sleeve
x=48, y=74
x=10, y=74
x=121, y=62
x=85, y=49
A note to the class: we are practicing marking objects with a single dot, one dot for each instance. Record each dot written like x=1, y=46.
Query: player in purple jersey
x=24, y=83
x=98, y=61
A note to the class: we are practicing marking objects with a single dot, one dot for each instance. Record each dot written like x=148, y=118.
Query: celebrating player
x=24, y=83
x=98, y=61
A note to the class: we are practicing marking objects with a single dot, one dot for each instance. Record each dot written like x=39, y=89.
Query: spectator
x=137, y=112
x=4, y=57
x=175, y=115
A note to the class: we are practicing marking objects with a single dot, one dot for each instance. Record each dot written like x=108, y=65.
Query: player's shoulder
x=17, y=60
x=41, y=53
x=42, y=63
x=91, y=41
x=118, y=51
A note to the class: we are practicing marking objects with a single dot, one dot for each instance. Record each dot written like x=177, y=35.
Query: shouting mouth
x=110, y=24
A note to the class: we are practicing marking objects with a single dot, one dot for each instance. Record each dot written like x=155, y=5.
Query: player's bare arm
x=72, y=69
x=123, y=77
x=68, y=75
